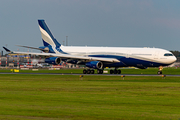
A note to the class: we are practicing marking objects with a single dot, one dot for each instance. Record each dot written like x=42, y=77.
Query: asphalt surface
x=92, y=74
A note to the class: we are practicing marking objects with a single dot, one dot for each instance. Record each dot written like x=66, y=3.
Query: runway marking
x=92, y=74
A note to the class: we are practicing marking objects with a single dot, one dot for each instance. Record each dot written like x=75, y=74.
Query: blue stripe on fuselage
x=129, y=61
x=59, y=50
x=139, y=62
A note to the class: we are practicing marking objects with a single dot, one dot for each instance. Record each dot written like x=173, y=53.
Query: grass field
x=92, y=97
x=167, y=71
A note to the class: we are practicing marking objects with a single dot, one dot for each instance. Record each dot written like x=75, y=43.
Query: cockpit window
x=168, y=54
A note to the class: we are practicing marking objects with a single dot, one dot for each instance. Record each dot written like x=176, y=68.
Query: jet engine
x=94, y=64
x=53, y=60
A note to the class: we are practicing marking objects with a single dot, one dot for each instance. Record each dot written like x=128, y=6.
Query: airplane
x=99, y=57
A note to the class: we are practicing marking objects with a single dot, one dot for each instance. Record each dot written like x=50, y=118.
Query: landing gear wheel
x=84, y=71
x=88, y=71
x=119, y=71
x=115, y=71
x=111, y=71
x=92, y=71
x=100, y=71
x=159, y=72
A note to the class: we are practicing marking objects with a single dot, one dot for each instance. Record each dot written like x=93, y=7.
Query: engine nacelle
x=94, y=64
x=53, y=60
x=46, y=50
x=72, y=61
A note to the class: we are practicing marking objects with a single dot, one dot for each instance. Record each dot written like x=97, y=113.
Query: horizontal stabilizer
x=7, y=50
x=30, y=47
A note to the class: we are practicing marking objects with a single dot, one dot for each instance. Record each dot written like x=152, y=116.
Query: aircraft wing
x=68, y=56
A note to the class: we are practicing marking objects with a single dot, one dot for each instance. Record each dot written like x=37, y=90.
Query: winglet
x=6, y=49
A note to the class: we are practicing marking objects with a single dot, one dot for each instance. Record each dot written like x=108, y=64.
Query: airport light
x=81, y=77
x=163, y=76
x=122, y=77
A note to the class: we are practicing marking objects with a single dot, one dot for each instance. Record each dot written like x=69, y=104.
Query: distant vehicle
x=100, y=57
x=25, y=66
x=38, y=65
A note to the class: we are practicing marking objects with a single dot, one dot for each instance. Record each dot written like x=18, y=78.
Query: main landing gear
x=100, y=71
x=115, y=71
x=89, y=71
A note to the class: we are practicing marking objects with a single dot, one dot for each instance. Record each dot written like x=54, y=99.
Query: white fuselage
x=146, y=54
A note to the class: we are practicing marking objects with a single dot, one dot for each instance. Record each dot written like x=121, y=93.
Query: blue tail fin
x=47, y=37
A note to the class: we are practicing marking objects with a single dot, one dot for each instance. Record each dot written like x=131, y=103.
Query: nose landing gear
x=160, y=70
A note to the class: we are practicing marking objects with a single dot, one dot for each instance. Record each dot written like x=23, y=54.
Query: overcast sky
x=119, y=23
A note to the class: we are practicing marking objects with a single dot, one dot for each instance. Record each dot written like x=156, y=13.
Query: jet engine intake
x=53, y=60
x=95, y=64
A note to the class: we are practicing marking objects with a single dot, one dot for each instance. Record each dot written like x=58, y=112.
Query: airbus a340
x=99, y=57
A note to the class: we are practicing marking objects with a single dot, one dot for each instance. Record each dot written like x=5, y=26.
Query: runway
x=92, y=74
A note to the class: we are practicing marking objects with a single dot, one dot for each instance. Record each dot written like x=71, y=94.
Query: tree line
x=176, y=53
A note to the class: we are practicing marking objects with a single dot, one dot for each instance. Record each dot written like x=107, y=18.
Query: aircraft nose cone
x=174, y=59
x=171, y=59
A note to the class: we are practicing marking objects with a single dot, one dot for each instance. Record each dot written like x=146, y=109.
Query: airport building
x=22, y=60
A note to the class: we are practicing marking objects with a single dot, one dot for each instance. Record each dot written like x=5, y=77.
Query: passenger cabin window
x=168, y=54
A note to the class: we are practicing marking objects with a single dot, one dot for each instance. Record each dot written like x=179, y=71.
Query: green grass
x=92, y=97
x=167, y=71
